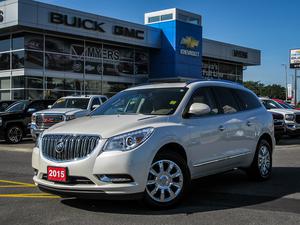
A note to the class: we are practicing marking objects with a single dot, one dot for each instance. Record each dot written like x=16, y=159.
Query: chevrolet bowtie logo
x=189, y=42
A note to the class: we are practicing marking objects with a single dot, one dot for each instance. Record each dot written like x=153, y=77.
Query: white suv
x=150, y=141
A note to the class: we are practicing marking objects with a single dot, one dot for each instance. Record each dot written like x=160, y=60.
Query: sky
x=272, y=26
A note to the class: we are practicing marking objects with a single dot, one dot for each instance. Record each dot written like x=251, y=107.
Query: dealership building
x=47, y=51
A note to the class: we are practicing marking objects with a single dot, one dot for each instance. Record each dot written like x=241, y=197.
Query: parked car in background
x=150, y=141
x=284, y=104
x=279, y=125
x=64, y=109
x=291, y=116
x=15, y=120
x=5, y=104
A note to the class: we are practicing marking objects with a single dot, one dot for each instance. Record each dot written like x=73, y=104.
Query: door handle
x=221, y=128
x=249, y=124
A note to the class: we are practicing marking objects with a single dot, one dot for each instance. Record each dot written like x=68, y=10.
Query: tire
x=170, y=175
x=14, y=134
x=261, y=167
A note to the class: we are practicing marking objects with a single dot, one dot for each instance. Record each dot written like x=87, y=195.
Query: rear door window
x=226, y=99
x=247, y=100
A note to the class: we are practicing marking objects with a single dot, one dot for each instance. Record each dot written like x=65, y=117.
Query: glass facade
x=36, y=66
x=50, y=66
x=214, y=69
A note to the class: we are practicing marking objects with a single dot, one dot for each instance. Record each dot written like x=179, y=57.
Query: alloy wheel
x=264, y=161
x=15, y=134
x=165, y=181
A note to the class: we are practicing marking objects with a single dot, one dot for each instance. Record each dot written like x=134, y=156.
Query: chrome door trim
x=221, y=159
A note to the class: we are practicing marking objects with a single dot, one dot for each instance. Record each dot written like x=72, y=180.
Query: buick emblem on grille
x=59, y=147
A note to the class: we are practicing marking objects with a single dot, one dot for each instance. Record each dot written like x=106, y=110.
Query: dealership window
x=4, y=43
x=153, y=19
x=61, y=84
x=61, y=45
x=18, y=82
x=4, y=61
x=5, y=83
x=27, y=82
x=5, y=95
x=18, y=60
x=34, y=42
x=18, y=94
x=167, y=17
x=93, y=85
x=17, y=41
x=111, y=88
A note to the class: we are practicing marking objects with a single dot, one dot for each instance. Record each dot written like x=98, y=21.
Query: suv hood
x=61, y=111
x=106, y=125
x=285, y=111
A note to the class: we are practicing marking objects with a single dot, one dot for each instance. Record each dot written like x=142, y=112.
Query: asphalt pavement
x=229, y=198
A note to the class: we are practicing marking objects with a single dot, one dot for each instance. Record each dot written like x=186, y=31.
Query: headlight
x=39, y=140
x=290, y=117
x=128, y=141
x=70, y=117
x=0, y=121
x=33, y=119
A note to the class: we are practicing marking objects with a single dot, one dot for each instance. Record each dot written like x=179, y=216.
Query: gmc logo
x=74, y=21
x=127, y=32
x=1, y=16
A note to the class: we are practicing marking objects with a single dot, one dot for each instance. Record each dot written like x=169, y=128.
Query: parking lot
x=228, y=198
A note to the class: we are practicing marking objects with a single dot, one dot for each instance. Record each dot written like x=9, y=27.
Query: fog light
x=116, y=178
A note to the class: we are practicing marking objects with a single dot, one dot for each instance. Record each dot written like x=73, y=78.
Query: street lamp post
x=286, y=82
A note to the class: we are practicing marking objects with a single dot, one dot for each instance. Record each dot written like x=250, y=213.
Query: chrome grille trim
x=57, y=118
x=75, y=147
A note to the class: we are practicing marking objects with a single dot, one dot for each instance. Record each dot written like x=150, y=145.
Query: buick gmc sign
x=88, y=24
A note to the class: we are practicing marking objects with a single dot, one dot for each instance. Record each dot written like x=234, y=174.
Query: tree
x=272, y=91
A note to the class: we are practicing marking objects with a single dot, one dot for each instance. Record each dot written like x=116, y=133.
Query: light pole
x=286, y=82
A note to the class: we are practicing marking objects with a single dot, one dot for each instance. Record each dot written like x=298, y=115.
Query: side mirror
x=199, y=109
x=49, y=106
x=31, y=110
x=95, y=107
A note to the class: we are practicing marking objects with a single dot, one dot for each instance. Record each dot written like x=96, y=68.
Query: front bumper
x=88, y=194
x=135, y=163
x=35, y=131
x=292, y=128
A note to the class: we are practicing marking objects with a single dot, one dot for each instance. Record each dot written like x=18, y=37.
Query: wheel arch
x=268, y=138
x=178, y=149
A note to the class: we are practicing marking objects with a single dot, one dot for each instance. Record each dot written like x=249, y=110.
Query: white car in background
x=150, y=141
x=64, y=109
x=291, y=116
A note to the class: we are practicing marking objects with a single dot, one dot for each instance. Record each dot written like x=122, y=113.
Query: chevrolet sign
x=190, y=44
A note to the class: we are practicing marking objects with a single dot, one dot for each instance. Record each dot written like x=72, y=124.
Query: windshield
x=18, y=106
x=270, y=104
x=286, y=106
x=81, y=103
x=156, y=101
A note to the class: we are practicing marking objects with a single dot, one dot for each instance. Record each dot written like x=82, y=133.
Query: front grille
x=68, y=147
x=298, y=118
x=278, y=122
x=46, y=121
x=73, y=180
x=277, y=116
